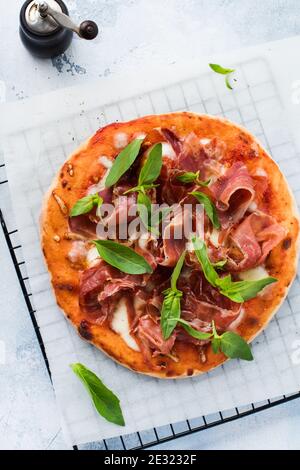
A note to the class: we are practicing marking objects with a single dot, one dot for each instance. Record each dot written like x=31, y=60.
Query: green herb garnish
x=191, y=177
x=148, y=175
x=86, y=204
x=192, y=332
x=209, y=207
x=106, y=402
x=171, y=311
x=238, y=291
x=123, y=162
x=231, y=344
x=223, y=71
x=122, y=257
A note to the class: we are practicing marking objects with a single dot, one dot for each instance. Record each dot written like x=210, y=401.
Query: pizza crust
x=79, y=172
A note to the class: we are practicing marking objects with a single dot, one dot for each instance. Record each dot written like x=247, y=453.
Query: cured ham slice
x=192, y=154
x=255, y=237
x=234, y=192
x=101, y=283
x=203, y=302
x=174, y=239
x=149, y=333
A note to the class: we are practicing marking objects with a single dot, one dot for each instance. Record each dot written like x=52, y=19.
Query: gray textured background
x=134, y=33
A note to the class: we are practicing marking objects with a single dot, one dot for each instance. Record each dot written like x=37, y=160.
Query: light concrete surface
x=133, y=33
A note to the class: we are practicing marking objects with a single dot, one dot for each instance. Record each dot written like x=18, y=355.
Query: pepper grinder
x=46, y=29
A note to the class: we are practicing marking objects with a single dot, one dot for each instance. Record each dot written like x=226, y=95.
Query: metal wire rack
x=142, y=440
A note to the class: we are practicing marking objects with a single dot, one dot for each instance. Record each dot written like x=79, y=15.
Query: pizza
x=161, y=304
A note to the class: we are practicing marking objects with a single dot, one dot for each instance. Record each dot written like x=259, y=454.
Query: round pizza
x=171, y=240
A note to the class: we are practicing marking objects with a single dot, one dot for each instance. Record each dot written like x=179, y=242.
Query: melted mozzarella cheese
x=167, y=151
x=204, y=141
x=78, y=252
x=105, y=161
x=254, y=274
x=120, y=325
x=139, y=135
x=120, y=140
x=260, y=172
x=92, y=257
x=252, y=207
x=96, y=188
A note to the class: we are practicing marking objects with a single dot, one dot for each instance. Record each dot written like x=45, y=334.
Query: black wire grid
x=138, y=440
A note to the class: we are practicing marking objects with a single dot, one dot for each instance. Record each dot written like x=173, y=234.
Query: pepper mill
x=46, y=29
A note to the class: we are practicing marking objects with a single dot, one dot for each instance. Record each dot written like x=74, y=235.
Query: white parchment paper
x=39, y=136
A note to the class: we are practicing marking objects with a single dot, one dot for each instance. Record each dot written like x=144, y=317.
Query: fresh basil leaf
x=247, y=289
x=123, y=162
x=152, y=167
x=238, y=291
x=215, y=344
x=224, y=283
x=188, y=177
x=86, y=204
x=143, y=188
x=227, y=82
x=144, y=208
x=219, y=264
x=192, y=332
x=177, y=270
x=209, y=207
x=234, y=346
x=219, y=69
x=170, y=312
x=122, y=257
x=106, y=402
x=209, y=272
x=203, y=183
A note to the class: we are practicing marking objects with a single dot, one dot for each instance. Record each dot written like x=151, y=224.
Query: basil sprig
x=238, y=291
x=231, y=344
x=106, y=402
x=223, y=71
x=209, y=207
x=151, y=169
x=122, y=257
x=123, y=162
x=191, y=177
x=86, y=204
x=149, y=173
x=171, y=310
x=201, y=335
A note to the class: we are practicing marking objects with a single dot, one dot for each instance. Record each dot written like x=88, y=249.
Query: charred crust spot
x=286, y=243
x=243, y=138
x=84, y=330
x=65, y=286
x=170, y=373
x=64, y=183
x=252, y=321
x=190, y=372
x=62, y=175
